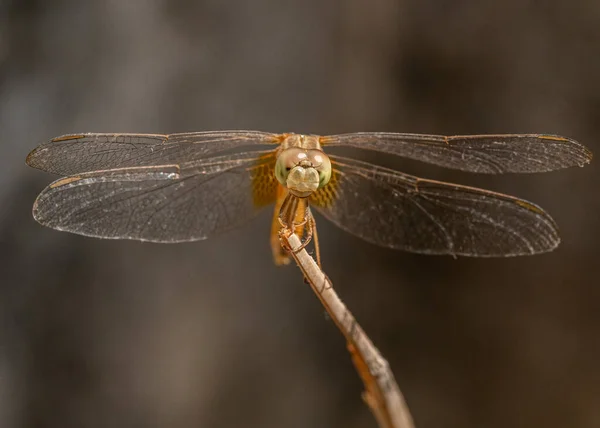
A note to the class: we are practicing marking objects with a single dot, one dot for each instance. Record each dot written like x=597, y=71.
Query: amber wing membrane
x=400, y=211
x=490, y=154
x=264, y=183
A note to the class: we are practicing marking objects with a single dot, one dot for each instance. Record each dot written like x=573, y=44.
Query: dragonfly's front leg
x=288, y=218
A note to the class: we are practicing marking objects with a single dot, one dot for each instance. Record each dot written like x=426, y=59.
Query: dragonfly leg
x=290, y=208
x=309, y=223
x=280, y=254
x=311, y=231
x=313, y=227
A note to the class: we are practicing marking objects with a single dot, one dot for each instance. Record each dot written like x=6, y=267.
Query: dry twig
x=381, y=393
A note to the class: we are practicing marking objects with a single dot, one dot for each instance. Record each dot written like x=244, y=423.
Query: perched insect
x=187, y=187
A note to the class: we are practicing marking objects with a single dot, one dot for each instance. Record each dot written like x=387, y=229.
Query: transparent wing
x=76, y=154
x=160, y=204
x=400, y=211
x=491, y=154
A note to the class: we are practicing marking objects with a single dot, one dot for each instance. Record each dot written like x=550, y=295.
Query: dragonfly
x=191, y=186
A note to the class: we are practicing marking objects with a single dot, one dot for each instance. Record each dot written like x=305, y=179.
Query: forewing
x=159, y=204
x=491, y=154
x=400, y=211
x=76, y=154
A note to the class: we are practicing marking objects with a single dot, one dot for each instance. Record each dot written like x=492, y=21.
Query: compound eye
x=287, y=160
x=322, y=164
x=324, y=177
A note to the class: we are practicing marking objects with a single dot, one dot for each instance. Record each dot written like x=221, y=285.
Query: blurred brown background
x=122, y=334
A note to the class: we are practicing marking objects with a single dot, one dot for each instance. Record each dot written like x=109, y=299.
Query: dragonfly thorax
x=307, y=142
x=302, y=171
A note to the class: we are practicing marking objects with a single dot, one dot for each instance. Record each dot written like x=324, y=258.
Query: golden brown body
x=307, y=147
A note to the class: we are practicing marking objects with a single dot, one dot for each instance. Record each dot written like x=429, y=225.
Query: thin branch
x=381, y=393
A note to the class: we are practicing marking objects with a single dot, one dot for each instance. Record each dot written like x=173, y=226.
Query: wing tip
x=582, y=153
x=30, y=159
x=35, y=159
x=36, y=210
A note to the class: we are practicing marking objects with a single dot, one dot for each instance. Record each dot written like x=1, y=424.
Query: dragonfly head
x=303, y=171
